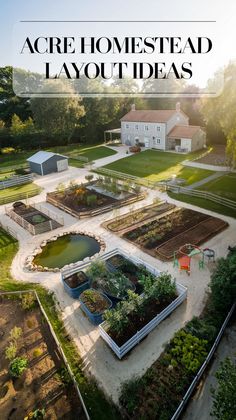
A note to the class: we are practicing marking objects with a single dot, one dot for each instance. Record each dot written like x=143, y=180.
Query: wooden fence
x=23, y=292
x=42, y=227
x=120, y=175
x=202, y=194
x=133, y=341
x=16, y=180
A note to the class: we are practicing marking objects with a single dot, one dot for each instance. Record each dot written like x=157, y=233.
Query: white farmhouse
x=161, y=129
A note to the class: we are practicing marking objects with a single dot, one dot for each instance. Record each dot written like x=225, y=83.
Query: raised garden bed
x=129, y=220
x=31, y=218
x=45, y=384
x=141, y=324
x=94, y=304
x=174, y=230
x=86, y=201
x=75, y=284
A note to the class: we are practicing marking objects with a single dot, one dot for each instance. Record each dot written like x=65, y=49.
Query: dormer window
x=127, y=126
x=158, y=128
x=146, y=128
x=136, y=126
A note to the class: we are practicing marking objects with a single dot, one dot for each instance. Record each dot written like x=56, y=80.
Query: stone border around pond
x=31, y=266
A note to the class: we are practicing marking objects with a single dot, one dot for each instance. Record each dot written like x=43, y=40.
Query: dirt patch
x=76, y=279
x=164, y=236
x=129, y=220
x=95, y=301
x=41, y=386
x=216, y=157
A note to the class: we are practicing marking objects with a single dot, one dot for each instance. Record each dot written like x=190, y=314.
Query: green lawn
x=10, y=194
x=225, y=186
x=204, y=204
x=92, y=152
x=98, y=406
x=157, y=166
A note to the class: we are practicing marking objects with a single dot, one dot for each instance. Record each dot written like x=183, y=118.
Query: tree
x=224, y=401
x=57, y=116
x=11, y=104
x=223, y=284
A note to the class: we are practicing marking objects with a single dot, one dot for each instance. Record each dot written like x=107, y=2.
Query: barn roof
x=42, y=156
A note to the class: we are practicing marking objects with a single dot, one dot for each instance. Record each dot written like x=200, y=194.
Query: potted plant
x=94, y=304
x=75, y=284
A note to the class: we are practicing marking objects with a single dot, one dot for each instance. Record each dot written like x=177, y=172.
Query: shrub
x=202, y=328
x=36, y=414
x=223, y=284
x=117, y=318
x=10, y=351
x=89, y=177
x=135, y=149
x=18, y=366
x=224, y=402
x=64, y=376
x=60, y=188
x=28, y=301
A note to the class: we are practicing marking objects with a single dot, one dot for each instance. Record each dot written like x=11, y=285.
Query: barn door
x=62, y=165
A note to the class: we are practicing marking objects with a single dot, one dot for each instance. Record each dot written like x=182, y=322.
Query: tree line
x=38, y=122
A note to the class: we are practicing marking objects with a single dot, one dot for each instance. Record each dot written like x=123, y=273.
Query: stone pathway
x=203, y=181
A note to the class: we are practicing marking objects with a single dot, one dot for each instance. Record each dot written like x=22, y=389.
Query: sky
x=224, y=30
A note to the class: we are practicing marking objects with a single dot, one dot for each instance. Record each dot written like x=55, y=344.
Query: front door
x=146, y=142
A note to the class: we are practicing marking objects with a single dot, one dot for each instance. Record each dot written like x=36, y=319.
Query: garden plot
x=132, y=219
x=34, y=381
x=32, y=219
x=131, y=298
x=94, y=197
x=163, y=237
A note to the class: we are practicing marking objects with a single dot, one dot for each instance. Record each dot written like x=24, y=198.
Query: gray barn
x=44, y=163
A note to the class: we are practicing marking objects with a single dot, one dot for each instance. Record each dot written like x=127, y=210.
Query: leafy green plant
x=64, y=376
x=117, y=318
x=97, y=269
x=202, y=328
x=18, y=366
x=10, y=351
x=91, y=200
x=36, y=414
x=187, y=350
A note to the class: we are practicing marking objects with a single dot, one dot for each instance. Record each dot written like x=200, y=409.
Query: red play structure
x=188, y=251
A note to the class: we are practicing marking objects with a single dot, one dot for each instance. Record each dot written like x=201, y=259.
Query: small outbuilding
x=44, y=163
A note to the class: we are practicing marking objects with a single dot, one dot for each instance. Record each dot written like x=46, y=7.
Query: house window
x=127, y=126
x=136, y=126
x=146, y=128
x=158, y=128
x=157, y=141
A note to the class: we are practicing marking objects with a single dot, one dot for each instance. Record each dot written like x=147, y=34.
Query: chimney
x=133, y=107
x=177, y=107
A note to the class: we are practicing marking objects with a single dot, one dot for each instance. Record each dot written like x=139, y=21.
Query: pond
x=67, y=249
